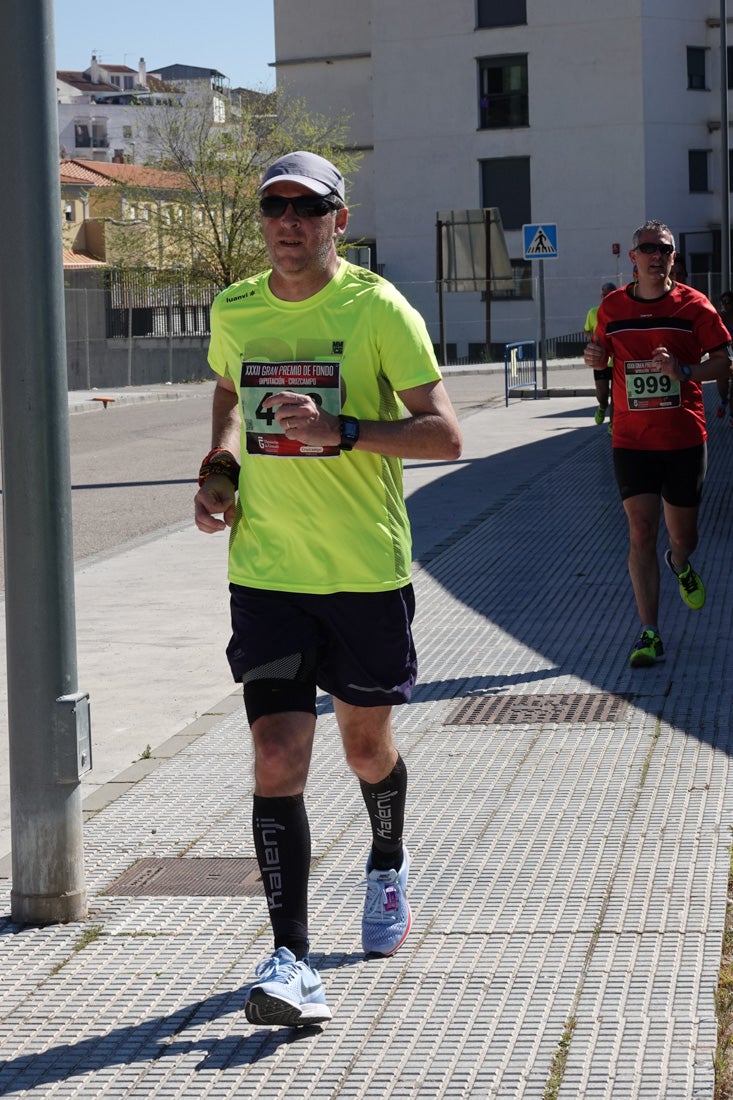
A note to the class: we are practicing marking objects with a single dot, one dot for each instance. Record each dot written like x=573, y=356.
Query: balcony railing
x=84, y=141
x=504, y=110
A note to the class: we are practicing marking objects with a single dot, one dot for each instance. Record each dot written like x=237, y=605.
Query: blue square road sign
x=540, y=241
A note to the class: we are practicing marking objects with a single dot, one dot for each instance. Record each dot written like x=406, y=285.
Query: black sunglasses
x=305, y=206
x=649, y=248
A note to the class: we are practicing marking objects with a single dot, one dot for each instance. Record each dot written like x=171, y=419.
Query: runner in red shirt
x=657, y=331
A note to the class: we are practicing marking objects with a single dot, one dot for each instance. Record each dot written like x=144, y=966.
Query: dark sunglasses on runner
x=305, y=206
x=649, y=248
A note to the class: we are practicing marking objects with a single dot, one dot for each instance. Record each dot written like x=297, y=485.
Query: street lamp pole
x=48, y=720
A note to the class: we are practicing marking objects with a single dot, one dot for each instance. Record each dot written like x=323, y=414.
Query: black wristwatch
x=686, y=372
x=349, y=432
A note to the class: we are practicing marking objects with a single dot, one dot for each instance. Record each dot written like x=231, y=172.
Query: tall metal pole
x=487, y=246
x=441, y=290
x=724, y=154
x=45, y=790
x=543, y=325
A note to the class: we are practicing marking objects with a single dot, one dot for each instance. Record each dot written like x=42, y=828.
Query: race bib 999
x=648, y=390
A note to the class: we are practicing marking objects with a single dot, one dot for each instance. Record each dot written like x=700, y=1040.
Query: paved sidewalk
x=569, y=826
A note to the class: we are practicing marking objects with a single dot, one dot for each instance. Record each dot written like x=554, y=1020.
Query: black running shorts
x=676, y=476
x=357, y=646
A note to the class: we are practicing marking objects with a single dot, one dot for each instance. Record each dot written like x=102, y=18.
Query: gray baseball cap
x=314, y=172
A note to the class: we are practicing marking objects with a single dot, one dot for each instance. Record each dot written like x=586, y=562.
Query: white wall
x=611, y=123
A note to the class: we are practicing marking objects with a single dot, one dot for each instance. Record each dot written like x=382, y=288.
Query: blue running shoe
x=289, y=993
x=387, y=917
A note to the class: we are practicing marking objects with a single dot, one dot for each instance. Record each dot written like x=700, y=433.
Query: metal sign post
x=724, y=159
x=439, y=281
x=471, y=256
x=540, y=243
x=543, y=327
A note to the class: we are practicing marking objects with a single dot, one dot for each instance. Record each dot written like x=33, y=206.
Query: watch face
x=350, y=431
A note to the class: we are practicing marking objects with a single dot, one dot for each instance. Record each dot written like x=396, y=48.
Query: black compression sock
x=283, y=846
x=385, y=802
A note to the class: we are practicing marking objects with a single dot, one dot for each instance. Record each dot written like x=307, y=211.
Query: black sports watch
x=349, y=432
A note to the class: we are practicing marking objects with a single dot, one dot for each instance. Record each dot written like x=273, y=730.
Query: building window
x=729, y=52
x=503, y=98
x=697, y=170
x=701, y=263
x=82, y=137
x=501, y=13
x=522, y=274
x=129, y=83
x=696, y=62
x=505, y=184
x=99, y=134
x=127, y=133
x=91, y=134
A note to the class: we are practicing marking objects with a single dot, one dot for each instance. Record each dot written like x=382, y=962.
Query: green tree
x=208, y=222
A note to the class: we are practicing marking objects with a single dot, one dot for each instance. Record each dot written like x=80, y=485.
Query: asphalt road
x=133, y=470
x=134, y=466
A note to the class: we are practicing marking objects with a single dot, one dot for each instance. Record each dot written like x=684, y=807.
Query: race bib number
x=648, y=390
x=264, y=436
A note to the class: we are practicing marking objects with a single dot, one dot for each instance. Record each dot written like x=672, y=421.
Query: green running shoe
x=692, y=590
x=647, y=651
x=600, y=415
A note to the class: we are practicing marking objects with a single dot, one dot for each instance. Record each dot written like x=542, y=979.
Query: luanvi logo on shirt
x=337, y=347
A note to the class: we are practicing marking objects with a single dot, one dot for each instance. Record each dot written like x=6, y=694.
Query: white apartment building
x=577, y=113
x=99, y=109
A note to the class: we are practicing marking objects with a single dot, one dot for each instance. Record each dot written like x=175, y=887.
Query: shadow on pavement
x=534, y=541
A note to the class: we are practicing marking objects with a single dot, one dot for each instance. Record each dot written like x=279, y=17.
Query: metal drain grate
x=520, y=710
x=176, y=877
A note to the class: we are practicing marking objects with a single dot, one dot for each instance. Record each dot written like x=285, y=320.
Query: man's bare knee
x=282, y=744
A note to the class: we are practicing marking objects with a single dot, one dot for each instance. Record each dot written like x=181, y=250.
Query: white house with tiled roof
x=98, y=109
x=93, y=122
x=99, y=79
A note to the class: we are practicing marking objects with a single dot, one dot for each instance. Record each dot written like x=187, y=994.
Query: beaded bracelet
x=220, y=461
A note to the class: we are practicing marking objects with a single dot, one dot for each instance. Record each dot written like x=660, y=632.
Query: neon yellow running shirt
x=324, y=524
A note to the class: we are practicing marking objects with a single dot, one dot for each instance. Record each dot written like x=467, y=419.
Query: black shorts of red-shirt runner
x=676, y=476
x=357, y=646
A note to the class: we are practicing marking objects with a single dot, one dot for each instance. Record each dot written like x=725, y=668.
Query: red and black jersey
x=652, y=412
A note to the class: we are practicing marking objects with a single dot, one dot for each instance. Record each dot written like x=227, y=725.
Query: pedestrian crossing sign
x=540, y=242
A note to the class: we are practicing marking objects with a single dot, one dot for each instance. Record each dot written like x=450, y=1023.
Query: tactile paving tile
x=569, y=877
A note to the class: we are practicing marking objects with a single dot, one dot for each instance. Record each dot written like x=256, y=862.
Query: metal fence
x=140, y=304
x=520, y=367
x=128, y=328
